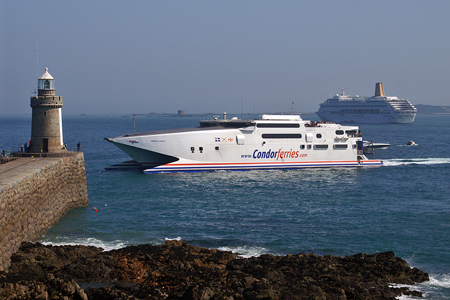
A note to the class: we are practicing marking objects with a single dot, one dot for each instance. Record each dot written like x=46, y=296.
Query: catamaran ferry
x=272, y=142
x=377, y=109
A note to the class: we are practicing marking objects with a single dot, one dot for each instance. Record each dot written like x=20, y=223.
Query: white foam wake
x=437, y=288
x=245, y=251
x=442, y=281
x=415, y=161
x=173, y=239
x=107, y=246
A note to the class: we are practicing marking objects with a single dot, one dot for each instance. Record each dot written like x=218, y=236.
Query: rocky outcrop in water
x=177, y=270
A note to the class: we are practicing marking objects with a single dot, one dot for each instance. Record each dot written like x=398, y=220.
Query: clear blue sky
x=214, y=56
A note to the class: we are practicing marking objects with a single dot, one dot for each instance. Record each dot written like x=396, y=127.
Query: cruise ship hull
x=254, y=147
x=367, y=119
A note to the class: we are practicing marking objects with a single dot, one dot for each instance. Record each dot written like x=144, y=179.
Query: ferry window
x=339, y=132
x=354, y=146
x=278, y=125
x=217, y=148
x=321, y=147
x=302, y=146
x=200, y=149
x=240, y=139
x=192, y=149
x=340, y=146
x=281, y=136
x=309, y=146
x=319, y=136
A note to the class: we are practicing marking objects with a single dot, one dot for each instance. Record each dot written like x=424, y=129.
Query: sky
x=260, y=56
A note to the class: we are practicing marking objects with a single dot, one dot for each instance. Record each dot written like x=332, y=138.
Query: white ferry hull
x=247, y=148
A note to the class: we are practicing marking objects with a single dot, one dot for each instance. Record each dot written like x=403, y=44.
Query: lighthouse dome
x=46, y=81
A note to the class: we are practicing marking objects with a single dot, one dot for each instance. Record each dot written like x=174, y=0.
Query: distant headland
x=424, y=109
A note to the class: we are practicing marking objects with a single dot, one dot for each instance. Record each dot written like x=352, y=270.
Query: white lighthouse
x=46, y=123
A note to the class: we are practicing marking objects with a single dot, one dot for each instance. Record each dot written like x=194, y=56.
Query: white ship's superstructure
x=377, y=109
x=273, y=142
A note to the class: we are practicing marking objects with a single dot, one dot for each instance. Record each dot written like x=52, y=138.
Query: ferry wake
x=271, y=142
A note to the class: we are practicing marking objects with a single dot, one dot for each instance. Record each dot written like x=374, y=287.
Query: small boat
x=410, y=143
x=130, y=164
x=375, y=145
x=368, y=146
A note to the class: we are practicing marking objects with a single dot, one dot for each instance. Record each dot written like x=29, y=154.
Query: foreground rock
x=177, y=270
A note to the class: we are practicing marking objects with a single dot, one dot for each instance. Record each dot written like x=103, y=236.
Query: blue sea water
x=403, y=206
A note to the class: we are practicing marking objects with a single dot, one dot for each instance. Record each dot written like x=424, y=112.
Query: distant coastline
x=209, y=115
x=423, y=109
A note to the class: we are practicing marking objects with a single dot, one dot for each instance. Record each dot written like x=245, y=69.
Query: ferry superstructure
x=272, y=142
x=377, y=109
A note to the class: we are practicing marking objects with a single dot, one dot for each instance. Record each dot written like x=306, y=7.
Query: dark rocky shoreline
x=177, y=270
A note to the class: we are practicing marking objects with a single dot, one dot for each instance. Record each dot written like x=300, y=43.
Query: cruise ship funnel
x=379, y=90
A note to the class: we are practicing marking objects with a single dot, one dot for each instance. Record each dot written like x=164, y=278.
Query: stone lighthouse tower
x=46, y=122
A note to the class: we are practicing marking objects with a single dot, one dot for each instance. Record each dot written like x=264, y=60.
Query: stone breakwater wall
x=34, y=194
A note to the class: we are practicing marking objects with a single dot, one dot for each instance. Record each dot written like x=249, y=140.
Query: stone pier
x=35, y=192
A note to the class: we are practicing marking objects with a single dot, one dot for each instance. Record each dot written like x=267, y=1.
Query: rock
x=177, y=270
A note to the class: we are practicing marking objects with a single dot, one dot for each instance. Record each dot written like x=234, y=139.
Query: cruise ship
x=271, y=142
x=377, y=109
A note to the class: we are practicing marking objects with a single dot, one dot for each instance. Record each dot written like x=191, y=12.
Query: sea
x=403, y=206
